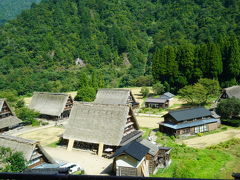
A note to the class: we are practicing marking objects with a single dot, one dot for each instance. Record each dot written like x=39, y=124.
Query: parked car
x=72, y=167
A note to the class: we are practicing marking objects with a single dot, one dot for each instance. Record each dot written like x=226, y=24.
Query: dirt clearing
x=45, y=136
x=91, y=163
x=212, y=139
x=148, y=121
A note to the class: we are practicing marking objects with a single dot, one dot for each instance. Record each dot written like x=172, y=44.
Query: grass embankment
x=213, y=162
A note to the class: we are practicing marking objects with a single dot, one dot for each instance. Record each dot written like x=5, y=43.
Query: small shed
x=129, y=160
x=157, y=157
x=52, y=105
x=8, y=119
x=116, y=96
x=32, y=151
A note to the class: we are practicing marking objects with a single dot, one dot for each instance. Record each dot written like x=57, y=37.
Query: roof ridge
x=51, y=93
x=187, y=109
x=19, y=139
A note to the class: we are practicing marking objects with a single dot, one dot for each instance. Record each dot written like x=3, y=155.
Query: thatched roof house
x=56, y=105
x=32, y=150
x=230, y=92
x=116, y=96
x=107, y=124
x=7, y=117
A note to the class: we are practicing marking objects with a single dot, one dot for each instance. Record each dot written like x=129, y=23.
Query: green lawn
x=213, y=162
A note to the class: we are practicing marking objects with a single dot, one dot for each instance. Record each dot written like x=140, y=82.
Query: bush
x=144, y=91
x=35, y=123
x=199, y=134
x=27, y=115
x=86, y=94
x=158, y=88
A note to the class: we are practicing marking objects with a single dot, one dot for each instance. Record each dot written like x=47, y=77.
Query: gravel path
x=212, y=139
x=91, y=163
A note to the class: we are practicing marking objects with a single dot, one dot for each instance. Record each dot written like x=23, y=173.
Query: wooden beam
x=70, y=144
x=100, y=149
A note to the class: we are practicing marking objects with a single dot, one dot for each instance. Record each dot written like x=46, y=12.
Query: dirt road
x=212, y=139
x=92, y=164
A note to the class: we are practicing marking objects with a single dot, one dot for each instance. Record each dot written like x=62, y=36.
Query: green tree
x=12, y=161
x=229, y=108
x=158, y=88
x=144, y=91
x=86, y=94
x=27, y=115
x=201, y=92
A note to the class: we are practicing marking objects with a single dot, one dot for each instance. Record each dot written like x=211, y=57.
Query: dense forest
x=9, y=9
x=125, y=41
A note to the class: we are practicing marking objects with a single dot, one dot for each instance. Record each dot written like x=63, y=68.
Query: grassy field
x=218, y=161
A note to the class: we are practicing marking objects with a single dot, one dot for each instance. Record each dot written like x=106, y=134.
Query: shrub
x=144, y=91
x=158, y=88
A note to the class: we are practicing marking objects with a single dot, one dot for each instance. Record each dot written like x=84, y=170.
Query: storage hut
x=189, y=121
x=103, y=124
x=116, y=96
x=8, y=119
x=130, y=160
x=32, y=151
x=52, y=105
x=164, y=101
x=157, y=157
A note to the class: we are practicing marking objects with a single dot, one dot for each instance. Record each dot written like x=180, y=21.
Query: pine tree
x=185, y=58
x=214, y=58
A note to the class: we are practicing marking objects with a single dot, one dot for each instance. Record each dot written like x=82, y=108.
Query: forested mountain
x=183, y=39
x=9, y=9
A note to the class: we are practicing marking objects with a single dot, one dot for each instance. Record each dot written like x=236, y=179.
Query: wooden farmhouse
x=189, y=121
x=164, y=101
x=101, y=124
x=116, y=96
x=8, y=119
x=140, y=159
x=230, y=92
x=52, y=105
x=32, y=151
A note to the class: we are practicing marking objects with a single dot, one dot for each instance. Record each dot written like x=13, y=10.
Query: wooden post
x=100, y=149
x=70, y=144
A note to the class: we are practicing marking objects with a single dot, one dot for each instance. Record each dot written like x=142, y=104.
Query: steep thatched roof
x=25, y=146
x=1, y=103
x=9, y=121
x=97, y=123
x=49, y=103
x=113, y=96
x=233, y=91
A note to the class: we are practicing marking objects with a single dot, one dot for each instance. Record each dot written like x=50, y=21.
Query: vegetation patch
x=188, y=162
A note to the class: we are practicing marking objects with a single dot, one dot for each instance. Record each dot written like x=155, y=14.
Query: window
x=200, y=129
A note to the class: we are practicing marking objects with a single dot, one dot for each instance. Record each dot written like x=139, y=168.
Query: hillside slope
x=38, y=49
x=9, y=9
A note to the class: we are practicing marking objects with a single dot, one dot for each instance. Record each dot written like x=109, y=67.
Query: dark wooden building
x=116, y=96
x=189, y=121
x=52, y=105
x=164, y=101
x=129, y=160
x=140, y=158
x=32, y=151
x=157, y=157
x=8, y=120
